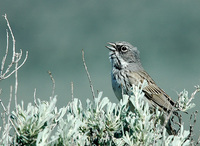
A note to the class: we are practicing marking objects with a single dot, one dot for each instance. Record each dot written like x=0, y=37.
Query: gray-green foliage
x=100, y=123
x=35, y=123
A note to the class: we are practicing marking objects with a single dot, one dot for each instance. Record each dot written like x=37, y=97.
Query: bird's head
x=123, y=54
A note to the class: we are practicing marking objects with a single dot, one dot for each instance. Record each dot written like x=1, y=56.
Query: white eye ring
x=124, y=49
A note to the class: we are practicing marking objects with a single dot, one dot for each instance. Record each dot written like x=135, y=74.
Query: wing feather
x=155, y=95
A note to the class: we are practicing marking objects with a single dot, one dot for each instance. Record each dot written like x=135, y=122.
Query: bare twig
x=3, y=115
x=34, y=96
x=192, y=116
x=8, y=111
x=193, y=94
x=9, y=103
x=4, y=108
x=6, y=125
x=72, y=91
x=179, y=123
x=6, y=54
x=54, y=84
x=14, y=126
x=198, y=141
x=13, y=38
x=173, y=111
x=6, y=76
x=8, y=107
x=167, y=118
x=16, y=85
x=88, y=74
x=16, y=57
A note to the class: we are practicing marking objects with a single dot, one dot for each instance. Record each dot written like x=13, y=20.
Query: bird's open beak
x=112, y=46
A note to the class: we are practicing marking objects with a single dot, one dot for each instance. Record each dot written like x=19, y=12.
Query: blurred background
x=167, y=33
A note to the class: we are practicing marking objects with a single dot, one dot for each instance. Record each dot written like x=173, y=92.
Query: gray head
x=123, y=54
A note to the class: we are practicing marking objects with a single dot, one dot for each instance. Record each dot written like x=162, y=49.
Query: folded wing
x=155, y=95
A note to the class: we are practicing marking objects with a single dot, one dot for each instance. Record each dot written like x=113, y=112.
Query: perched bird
x=127, y=70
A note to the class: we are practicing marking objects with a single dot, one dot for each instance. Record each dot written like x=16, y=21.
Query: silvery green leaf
x=103, y=102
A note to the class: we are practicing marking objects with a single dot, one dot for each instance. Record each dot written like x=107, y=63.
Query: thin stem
x=88, y=75
x=54, y=84
x=72, y=90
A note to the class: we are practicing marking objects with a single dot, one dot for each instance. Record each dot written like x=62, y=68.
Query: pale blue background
x=167, y=33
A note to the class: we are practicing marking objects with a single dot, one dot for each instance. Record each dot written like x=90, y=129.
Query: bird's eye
x=124, y=49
